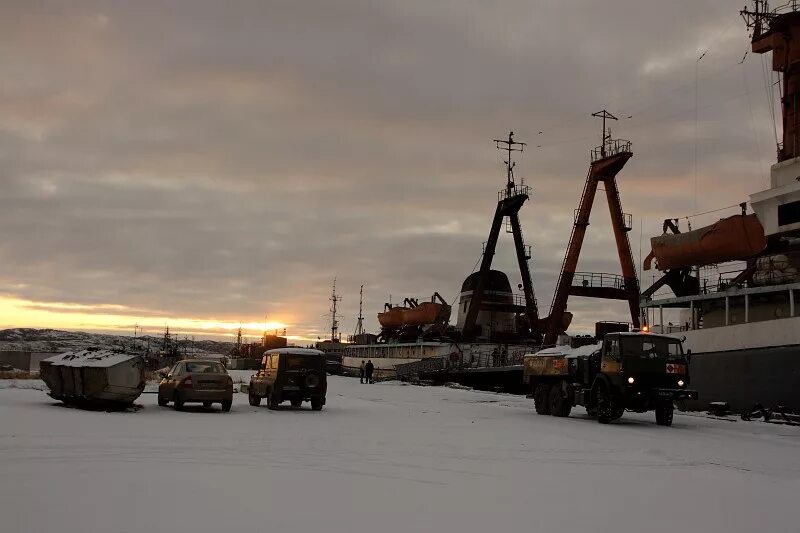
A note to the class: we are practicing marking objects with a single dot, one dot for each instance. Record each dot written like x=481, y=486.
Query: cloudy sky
x=207, y=163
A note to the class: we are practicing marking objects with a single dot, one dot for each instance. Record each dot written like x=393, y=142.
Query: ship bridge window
x=789, y=213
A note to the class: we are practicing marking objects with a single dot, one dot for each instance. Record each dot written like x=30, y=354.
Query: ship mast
x=776, y=30
x=360, y=323
x=509, y=202
x=335, y=299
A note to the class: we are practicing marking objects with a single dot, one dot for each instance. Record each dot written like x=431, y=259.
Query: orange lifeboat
x=732, y=238
x=424, y=313
x=393, y=318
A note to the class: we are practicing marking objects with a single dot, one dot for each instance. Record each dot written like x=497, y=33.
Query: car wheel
x=226, y=405
x=162, y=401
x=540, y=399
x=254, y=399
x=316, y=404
x=272, y=401
x=297, y=403
x=206, y=404
x=177, y=401
x=664, y=414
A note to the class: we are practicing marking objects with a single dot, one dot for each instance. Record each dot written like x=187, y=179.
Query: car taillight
x=230, y=381
x=187, y=383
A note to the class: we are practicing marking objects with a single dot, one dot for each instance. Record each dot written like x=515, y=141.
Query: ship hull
x=769, y=376
x=387, y=357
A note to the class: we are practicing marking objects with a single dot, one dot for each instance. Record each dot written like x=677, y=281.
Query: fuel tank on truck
x=732, y=238
x=94, y=378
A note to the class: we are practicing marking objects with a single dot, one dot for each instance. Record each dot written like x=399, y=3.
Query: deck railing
x=609, y=148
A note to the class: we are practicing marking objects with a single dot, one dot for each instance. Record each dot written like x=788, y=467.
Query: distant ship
x=743, y=326
x=495, y=327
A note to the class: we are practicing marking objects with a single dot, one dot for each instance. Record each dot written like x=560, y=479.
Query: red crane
x=607, y=160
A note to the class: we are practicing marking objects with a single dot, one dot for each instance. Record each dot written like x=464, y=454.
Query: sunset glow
x=115, y=318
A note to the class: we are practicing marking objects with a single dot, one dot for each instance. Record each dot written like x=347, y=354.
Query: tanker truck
x=635, y=371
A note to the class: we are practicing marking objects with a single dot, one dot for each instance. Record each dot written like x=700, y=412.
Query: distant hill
x=54, y=340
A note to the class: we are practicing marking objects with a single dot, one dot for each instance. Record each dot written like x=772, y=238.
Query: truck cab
x=635, y=371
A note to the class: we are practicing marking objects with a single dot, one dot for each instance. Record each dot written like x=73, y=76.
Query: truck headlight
x=681, y=383
x=631, y=380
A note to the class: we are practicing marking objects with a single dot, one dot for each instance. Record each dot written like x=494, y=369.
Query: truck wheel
x=541, y=399
x=253, y=398
x=226, y=405
x=606, y=410
x=162, y=401
x=559, y=404
x=316, y=404
x=664, y=414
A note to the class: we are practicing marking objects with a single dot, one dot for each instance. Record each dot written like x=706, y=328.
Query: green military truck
x=636, y=371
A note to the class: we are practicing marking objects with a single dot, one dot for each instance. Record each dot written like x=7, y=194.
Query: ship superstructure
x=734, y=282
x=494, y=326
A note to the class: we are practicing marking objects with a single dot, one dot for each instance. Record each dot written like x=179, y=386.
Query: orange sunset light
x=119, y=318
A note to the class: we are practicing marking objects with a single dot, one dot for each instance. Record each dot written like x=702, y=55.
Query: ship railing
x=610, y=148
x=511, y=192
x=598, y=279
x=761, y=20
x=496, y=359
x=415, y=368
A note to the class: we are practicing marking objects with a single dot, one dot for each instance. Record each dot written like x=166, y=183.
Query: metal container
x=94, y=377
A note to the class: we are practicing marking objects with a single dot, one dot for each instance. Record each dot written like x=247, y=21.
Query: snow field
x=387, y=458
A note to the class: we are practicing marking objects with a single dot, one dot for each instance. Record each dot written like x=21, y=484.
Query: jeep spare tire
x=312, y=380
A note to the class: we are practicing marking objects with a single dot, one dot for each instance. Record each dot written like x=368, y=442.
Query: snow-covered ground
x=387, y=458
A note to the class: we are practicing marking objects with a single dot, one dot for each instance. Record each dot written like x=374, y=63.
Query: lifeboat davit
x=732, y=238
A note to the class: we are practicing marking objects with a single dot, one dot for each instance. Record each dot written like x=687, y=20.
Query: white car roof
x=295, y=351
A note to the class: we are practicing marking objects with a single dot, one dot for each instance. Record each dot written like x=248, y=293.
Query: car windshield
x=205, y=367
x=298, y=362
x=661, y=347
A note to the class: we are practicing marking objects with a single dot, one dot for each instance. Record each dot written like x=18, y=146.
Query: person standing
x=362, y=370
x=370, y=368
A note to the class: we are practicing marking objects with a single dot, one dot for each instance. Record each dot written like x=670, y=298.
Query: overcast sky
x=220, y=161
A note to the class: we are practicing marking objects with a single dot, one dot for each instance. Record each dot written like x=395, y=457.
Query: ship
x=494, y=328
x=733, y=284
